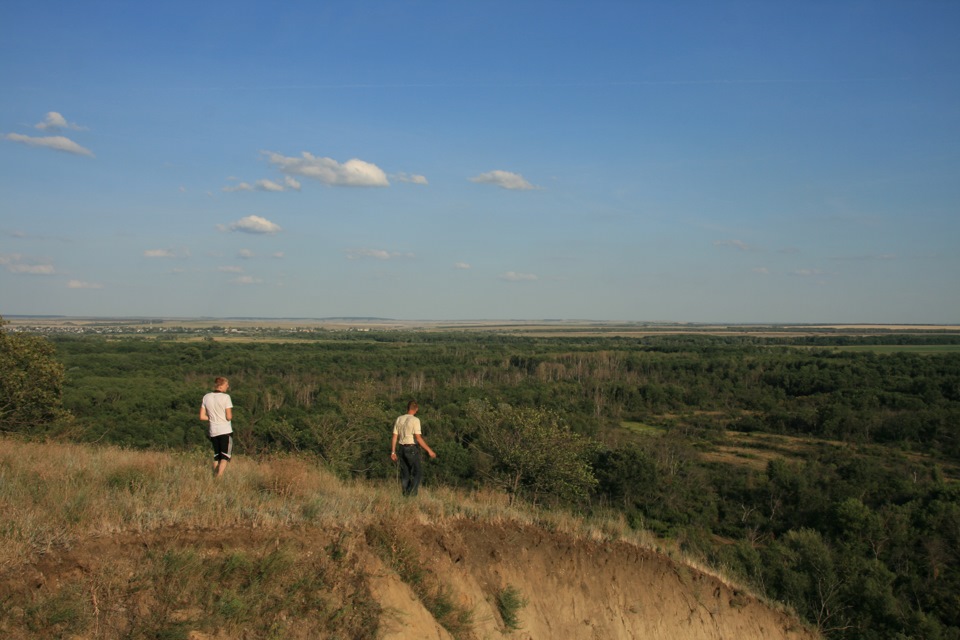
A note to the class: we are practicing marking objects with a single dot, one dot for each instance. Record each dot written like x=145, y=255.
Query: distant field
x=641, y=429
x=245, y=329
x=755, y=450
x=897, y=348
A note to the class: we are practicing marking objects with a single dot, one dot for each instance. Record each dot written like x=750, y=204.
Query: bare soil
x=574, y=588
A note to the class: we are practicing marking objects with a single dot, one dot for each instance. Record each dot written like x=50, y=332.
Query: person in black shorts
x=217, y=409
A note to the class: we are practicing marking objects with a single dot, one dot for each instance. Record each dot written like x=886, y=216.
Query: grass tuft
x=509, y=603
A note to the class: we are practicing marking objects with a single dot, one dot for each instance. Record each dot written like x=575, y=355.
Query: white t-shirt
x=405, y=426
x=216, y=403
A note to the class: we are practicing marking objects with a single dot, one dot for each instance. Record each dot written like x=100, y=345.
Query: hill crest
x=115, y=543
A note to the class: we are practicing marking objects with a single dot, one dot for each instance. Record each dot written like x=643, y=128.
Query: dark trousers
x=411, y=471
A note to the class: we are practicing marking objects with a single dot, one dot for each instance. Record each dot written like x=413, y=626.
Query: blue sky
x=695, y=161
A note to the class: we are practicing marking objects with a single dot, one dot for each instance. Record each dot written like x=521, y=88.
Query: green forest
x=820, y=470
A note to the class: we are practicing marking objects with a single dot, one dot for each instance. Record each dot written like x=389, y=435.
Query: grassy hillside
x=103, y=542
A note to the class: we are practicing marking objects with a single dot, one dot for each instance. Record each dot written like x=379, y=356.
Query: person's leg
x=223, y=448
x=404, y=471
x=216, y=453
x=416, y=470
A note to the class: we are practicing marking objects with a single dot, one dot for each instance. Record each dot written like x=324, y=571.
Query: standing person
x=406, y=433
x=217, y=408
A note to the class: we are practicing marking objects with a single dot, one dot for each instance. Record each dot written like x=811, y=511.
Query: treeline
x=861, y=534
x=138, y=392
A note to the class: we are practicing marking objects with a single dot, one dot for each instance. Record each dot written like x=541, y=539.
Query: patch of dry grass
x=56, y=495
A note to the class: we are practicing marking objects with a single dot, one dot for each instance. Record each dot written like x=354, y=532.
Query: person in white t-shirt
x=406, y=434
x=217, y=409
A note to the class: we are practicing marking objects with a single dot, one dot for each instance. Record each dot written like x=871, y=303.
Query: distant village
x=158, y=330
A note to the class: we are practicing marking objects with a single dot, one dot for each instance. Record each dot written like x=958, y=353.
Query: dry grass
x=55, y=494
x=57, y=497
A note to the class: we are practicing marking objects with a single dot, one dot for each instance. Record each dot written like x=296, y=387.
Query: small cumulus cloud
x=352, y=173
x=33, y=269
x=230, y=269
x=25, y=265
x=57, y=143
x=289, y=184
x=761, y=270
x=269, y=185
x=412, y=178
x=461, y=265
x=807, y=273
x=882, y=257
x=279, y=255
x=252, y=224
x=515, y=276
x=246, y=254
x=159, y=253
x=56, y=122
x=504, y=180
x=243, y=186
x=379, y=254
x=80, y=284
x=740, y=245
x=247, y=280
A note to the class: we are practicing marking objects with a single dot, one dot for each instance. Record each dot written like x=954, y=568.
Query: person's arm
x=229, y=413
x=423, y=443
x=203, y=413
x=393, y=447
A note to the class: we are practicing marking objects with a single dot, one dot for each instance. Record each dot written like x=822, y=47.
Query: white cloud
x=80, y=284
x=243, y=186
x=57, y=143
x=32, y=269
x=513, y=276
x=246, y=254
x=412, y=178
x=379, y=254
x=352, y=173
x=735, y=244
x=504, y=180
x=268, y=185
x=18, y=263
x=807, y=273
x=461, y=265
x=289, y=184
x=247, y=280
x=278, y=255
x=869, y=257
x=761, y=270
x=54, y=122
x=230, y=269
x=159, y=253
x=252, y=224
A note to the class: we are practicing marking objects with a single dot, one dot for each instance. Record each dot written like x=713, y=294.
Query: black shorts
x=222, y=446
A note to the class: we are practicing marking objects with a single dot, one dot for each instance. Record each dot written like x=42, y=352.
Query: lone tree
x=31, y=382
x=532, y=452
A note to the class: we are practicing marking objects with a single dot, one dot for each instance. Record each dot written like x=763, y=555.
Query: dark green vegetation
x=31, y=382
x=855, y=520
